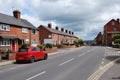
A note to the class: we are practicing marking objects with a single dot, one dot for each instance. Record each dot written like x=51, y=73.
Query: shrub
x=42, y=47
x=67, y=44
x=26, y=45
x=71, y=44
x=49, y=45
x=54, y=45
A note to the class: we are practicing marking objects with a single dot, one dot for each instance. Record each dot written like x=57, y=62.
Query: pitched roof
x=6, y=19
x=58, y=32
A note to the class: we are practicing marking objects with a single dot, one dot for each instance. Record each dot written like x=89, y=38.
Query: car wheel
x=32, y=59
x=45, y=57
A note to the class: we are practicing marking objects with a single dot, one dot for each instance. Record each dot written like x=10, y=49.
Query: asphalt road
x=68, y=64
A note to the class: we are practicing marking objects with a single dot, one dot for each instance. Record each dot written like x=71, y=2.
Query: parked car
x=30, y=54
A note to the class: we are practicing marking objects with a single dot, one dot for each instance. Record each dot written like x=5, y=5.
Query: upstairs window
x=34, y=31
x=4, y=27
x=113, y=23
x=115, y=29
x=24, y=30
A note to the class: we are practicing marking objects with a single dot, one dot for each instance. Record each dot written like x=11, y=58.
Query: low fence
x=65, y=46
x=51, y=50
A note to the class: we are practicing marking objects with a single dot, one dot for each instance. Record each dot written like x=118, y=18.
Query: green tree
x=117, y=38
x=80, y=41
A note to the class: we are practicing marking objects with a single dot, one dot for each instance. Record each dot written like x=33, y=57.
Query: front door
x=13, y=45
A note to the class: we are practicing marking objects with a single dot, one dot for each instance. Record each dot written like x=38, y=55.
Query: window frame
x=34, y=41
x=4, y=27
x=34, y=32
x=113, y=23
x=24, y=30
x=5, y=42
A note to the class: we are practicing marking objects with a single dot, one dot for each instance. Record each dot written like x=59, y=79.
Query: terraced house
x=55, y=36
x=15, y=31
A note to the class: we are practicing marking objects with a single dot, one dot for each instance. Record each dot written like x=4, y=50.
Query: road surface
x=68, y=64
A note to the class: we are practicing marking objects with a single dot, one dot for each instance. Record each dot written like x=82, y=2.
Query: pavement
x=69, y=64
x=114, y=72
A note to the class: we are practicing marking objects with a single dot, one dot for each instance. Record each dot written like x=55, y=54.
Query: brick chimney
x=57, y=28
x=49, y=25
x=17, y=14
x=118, y=20
x=62, y=29
x=66, y=31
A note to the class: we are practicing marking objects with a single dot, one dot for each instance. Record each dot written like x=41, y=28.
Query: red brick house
x=15, y=31
x=99, y=39
x=55, y=36
x=111, y=28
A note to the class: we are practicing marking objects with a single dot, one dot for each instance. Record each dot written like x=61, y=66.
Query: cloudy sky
x=85, y=17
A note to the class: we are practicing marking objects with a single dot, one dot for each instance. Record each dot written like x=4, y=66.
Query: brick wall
x=110, y=28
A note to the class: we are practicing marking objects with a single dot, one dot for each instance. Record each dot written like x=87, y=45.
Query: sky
x=86, y=18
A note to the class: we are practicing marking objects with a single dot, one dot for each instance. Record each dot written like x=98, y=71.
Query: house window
x=4, y=27
x=24, y=30
x=5, y=43
x=115, y=29
x=113, y=23
x=34, y=41
x=34, y=31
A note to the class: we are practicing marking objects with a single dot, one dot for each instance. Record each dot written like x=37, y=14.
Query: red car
x=30, y=54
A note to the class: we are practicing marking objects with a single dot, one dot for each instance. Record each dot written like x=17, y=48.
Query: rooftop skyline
x=85, y=18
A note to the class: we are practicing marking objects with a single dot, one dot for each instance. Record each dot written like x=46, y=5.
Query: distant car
x=30, y=54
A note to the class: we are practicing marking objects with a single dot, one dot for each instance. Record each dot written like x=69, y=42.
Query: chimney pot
x=62, y=29
x=66, y=31
x=17, y=14
x=57, y=28
x=72, y=33
x=69, y=32
x=118, y=20
x=49, y=25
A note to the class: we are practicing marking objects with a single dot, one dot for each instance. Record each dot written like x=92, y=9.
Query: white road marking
x=81, y=54
x=66, y=62
x=36, y=75
x=85, y=53
x=12, y=68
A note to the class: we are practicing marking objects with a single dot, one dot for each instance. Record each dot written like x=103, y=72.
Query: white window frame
x=4, y=27
x=5, y=42
x=113, y=23
x=25, y=30
x=34, y=41
x=34, y=30
x=115, y=29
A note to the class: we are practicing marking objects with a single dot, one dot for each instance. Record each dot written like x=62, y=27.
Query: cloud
x=85, y=17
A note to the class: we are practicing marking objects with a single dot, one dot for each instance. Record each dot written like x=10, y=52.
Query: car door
x=39, y=53
x=34, y=52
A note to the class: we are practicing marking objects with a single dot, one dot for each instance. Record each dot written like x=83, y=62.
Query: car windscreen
x=23, y=50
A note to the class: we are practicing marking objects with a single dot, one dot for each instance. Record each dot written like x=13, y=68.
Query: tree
x=117, y=38
x=80, y=41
